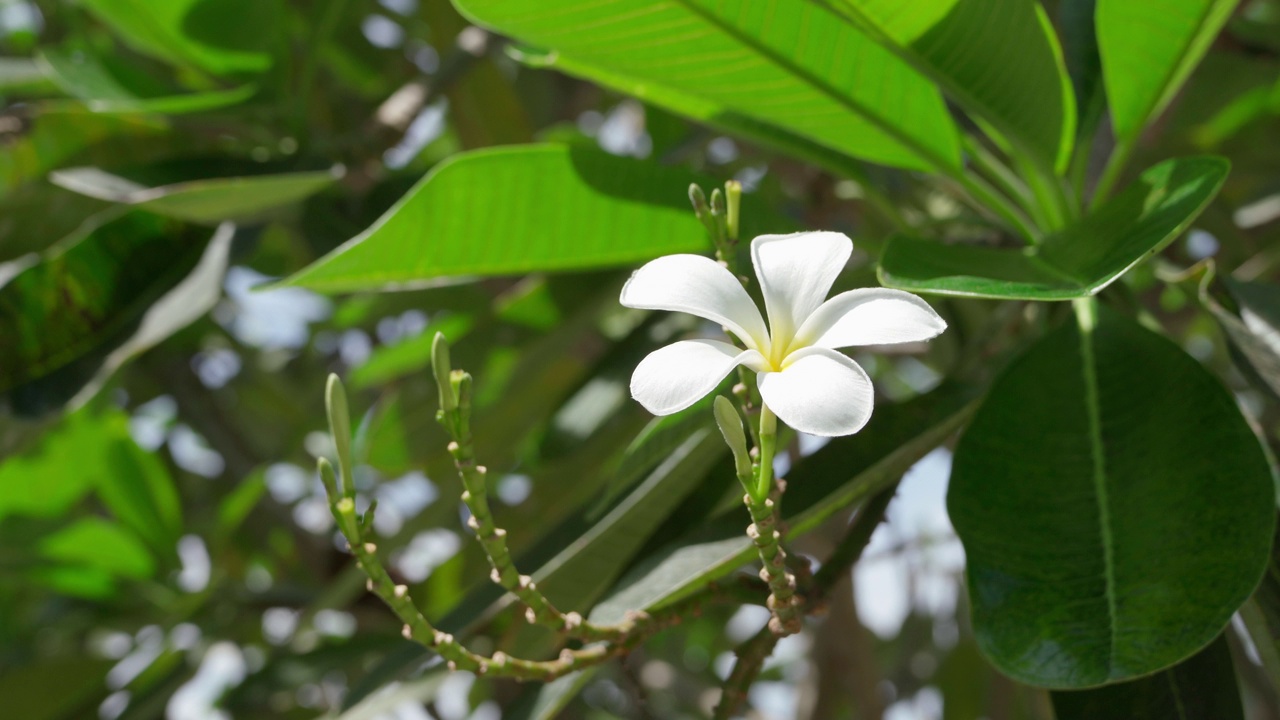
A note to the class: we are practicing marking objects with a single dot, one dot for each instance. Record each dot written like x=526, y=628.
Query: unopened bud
x=441, y=367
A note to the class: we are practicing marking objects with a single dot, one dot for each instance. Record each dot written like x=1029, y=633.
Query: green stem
x=997, y=203
x=1112, y=172
x=750, y=661
x=1004, y=178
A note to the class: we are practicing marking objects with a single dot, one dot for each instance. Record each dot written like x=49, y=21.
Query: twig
x=455, y=415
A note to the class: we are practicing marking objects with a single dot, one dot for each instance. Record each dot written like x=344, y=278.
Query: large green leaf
x=1114, y=505
x=1077, y=262
x=999, y=59
x=516, y=210
x=219, y=36
x=787, y=63
x=209, y=201
x=840, y=474
x=99, y=297
x=82, y=76
x=1148, y=49
x=1204, y=686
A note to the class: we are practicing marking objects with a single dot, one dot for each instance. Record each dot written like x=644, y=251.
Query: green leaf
x=1000, y=59
x=546, y=702
x=1148, y=49
x=68, y=686
x=1114, y=505
x=100, y=297
x=785, y=63
x=59, y=136
x=1254, y=330
x=1203, y=686
x=88, y=451
x=102, y=544
x=85, y=77
x=1077, y=262
x=517, y=210
x=209, y=201
x=840, y=474
x=218, y=36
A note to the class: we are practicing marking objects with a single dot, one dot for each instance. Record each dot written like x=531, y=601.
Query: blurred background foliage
x=167, y=551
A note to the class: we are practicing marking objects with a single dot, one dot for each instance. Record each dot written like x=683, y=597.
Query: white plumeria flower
x=802, y=378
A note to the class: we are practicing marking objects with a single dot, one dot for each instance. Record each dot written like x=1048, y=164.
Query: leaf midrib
x=924, y=153
x=1086, y=315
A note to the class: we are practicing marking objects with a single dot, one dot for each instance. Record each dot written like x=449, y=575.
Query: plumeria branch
x=750, y=655
x=604, y=641
x=455, y=415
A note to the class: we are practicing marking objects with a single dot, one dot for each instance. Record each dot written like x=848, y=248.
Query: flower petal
x=796, y=272
x=820, y=392
x=672, y=378
x=870, y=316
x=699, y=286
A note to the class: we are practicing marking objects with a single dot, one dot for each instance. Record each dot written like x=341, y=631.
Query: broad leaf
x=209, y=201
x=1080, y=260
x=517, y=210
x=1203, y=686
x=1148, y=49
x=840, y=474
x=1114, y=505
x=99, y=297
x=85, y=77
x=786, y=63
x=96, y=542
x=999, y=59
x=218, y=36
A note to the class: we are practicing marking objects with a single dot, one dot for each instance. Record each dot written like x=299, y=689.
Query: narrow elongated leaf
x=786, y=63
x=1203, y=686
x=1254, y=331
x=61, y=319
x=1114, y=505
x=1077, y=262
x=219, y=36
x=57, y=137
x=840, y=474
x=84, y=77
x=1148, y=49
x=516, y=210
x=209, y=201
x=102, y=544
x=1000, y=59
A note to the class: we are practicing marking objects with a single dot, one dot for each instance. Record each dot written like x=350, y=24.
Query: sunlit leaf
x=517, y=210
x=1000, y=59
x=785, y=63
x=99, y=543
x=1148, y=49
x=1111, y=526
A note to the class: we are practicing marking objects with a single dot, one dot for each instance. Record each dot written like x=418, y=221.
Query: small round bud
x=370, y=548
x=401, y=591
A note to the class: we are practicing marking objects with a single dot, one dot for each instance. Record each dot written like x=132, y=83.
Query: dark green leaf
x=1077, y=262
x=62, y=689
x=785, y=63
x=83, y=76
x=1114, y=505
x=100, y=297
x=517, y=210
x=1000, y=59
x=1203, y=686
x=56, y=137
x=208, y=201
